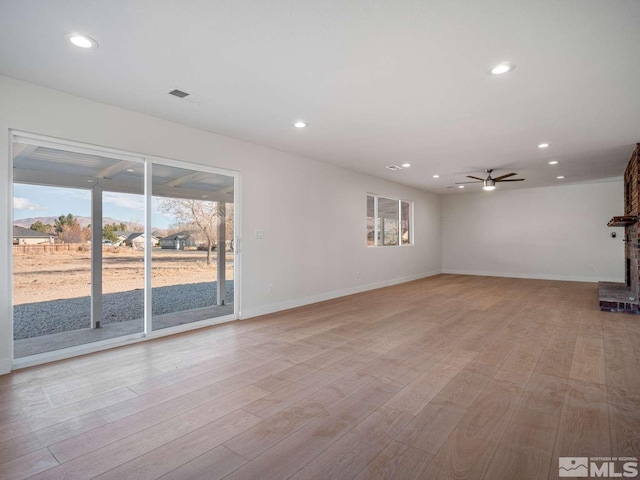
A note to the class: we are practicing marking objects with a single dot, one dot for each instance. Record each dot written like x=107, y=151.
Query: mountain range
x=83, y=221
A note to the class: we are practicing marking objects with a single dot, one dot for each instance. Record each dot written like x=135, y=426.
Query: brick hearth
x=617, y=297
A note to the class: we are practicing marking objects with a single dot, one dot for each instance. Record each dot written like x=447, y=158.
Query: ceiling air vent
x=394, y=167
x=187, y=97
x=178, y=93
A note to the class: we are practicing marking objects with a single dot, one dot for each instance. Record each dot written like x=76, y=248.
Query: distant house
x=136, y=241
x=178, y=241
x=122, y=236
x=26, y=236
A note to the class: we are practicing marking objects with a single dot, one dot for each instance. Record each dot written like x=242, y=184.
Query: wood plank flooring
x=450, y=377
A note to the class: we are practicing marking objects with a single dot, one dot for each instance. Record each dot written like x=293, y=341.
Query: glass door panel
x=123, y=252
x=192, y=261
x=62, y=199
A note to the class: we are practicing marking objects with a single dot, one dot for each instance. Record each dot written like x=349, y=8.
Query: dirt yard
x=39, y=277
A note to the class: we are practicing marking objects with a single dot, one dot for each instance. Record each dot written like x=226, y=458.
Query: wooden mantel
x=622, y=221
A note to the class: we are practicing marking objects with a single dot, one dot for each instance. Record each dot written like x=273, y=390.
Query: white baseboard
x=564, y=278
x=300, y=302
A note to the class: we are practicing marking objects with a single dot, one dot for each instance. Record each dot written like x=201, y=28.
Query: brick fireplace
x=623, y=297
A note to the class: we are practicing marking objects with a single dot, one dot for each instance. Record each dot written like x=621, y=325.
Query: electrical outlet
x=270, y=289
x=592, y=267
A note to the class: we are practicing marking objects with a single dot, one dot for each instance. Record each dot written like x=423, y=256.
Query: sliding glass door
x=92, y=247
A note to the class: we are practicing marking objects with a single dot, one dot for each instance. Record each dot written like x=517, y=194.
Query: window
x=388, y=221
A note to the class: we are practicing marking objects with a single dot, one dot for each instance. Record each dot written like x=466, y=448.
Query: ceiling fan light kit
x=489, y=183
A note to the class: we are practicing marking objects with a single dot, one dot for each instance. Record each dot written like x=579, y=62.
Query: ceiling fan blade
x=463, y=183
x=475, y=178
x=498, y=179
x=514, y=180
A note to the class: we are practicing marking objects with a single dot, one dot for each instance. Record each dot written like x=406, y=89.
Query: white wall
x=552, y=233
x=313, y=214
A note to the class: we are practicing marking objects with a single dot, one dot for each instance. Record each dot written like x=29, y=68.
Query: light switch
x=259, y=235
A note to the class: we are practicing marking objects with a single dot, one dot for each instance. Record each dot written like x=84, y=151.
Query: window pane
x=405, y=218
x=388, y=220
x=371, y=220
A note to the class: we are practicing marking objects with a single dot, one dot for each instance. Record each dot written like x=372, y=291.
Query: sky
x=43, y=201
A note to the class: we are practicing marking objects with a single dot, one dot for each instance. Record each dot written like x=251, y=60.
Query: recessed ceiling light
x=300, y=124
x=502, y=68
x=544, y=145
x=393, y=167
x=553, y=162
x=436, y=176
x=82, y=41
x=205, y=196
x=406, y=165
x=90, y=180
x=560, y=177
x=460, y=186
x=130, y=170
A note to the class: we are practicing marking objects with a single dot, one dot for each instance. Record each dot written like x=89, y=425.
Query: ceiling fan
x=489, y=183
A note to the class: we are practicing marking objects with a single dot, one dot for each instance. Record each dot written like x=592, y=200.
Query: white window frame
x=378, y=239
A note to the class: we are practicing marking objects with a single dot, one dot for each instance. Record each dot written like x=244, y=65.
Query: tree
x=69, y=230
x=63, y=221
x=75, y=233
x=108, y=232
x=195, y=214
x=41, y=227
x=134, y=225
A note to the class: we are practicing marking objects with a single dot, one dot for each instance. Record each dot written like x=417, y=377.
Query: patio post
x=96, y=256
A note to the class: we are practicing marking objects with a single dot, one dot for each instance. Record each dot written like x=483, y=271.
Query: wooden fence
x=47, y=248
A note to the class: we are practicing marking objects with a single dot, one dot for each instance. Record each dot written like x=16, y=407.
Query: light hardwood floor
x=447, y=377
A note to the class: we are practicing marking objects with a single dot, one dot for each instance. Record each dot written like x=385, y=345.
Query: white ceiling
x=379, y=82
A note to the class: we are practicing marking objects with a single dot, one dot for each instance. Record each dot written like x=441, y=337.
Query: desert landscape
x=52, y=289
x=45, y=276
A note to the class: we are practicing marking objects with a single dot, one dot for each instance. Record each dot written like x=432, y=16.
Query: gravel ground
x=43, y=318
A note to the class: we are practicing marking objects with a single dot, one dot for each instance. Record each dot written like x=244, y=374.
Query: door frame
x=147, y=333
